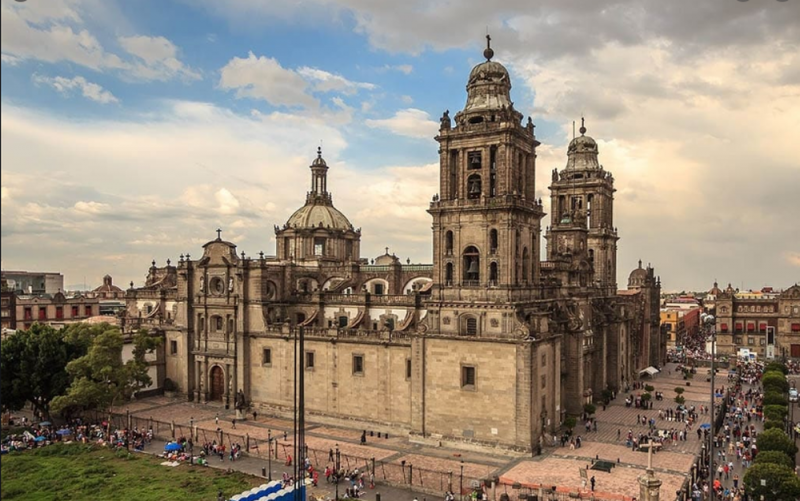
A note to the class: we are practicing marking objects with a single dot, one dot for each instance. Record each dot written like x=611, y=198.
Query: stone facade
x=489, y=344
x=768, y=327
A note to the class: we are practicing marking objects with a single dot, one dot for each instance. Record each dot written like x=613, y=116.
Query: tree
x=769, y=424
x=570, y=423
x=776, y=367
x=100, y=379
x=34, y=364
x=775, y=412
x=774, y=398
x=679, y=390
x=775, y=381
x=776, y=440
x=589, y=409
x=606, y=395
x=646, y=397
x=774, y=457
x=649, y=388
x=680, y=400
x=781, y=483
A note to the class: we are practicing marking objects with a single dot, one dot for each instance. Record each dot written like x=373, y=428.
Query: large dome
x=318, y=215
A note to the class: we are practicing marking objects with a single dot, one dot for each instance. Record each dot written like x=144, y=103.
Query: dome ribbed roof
x=311, y=215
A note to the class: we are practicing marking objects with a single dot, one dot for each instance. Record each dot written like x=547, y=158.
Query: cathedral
x=495, y=343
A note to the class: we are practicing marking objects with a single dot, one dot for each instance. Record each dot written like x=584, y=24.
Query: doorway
x=217, y=383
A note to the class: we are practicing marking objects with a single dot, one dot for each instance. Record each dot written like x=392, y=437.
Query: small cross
x=219, y=234
x=488, y=41
x=387, y=251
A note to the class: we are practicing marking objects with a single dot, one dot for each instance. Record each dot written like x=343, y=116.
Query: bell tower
x=486, y=220
x=582, y=208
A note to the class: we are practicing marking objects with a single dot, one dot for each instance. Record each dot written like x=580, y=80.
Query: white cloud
x=264, y=78
x=9, y=59
x=54, y=32
x=410, y=122
x=159, y=56
x=327, y=82
x=406, y=69
x=88, y=89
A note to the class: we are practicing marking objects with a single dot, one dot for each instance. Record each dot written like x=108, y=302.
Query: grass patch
x=68, y=472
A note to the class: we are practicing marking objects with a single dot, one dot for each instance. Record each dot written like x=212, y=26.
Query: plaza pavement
x=556, y=466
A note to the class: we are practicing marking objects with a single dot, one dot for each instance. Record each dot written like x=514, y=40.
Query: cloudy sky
x=132, y=130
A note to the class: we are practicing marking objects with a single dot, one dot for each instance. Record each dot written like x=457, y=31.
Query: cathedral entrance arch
x=217, y=383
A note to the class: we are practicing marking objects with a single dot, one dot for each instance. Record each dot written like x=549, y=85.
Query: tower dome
x=582, y=152
x=489, y=86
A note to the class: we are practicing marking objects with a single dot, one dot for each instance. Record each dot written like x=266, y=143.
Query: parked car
x=793, y=394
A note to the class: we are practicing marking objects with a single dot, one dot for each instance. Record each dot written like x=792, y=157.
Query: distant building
x=8, y=312
x=680, y=321
x=33, y=282
x=112, y=298
x=56, y=310
x=766, y=323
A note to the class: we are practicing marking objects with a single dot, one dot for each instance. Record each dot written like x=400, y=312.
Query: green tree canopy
x=589, y=409
x=34, y=364
x=775, y=412
x=775, y=457
x=570, y=422
x=781, y=483
x=100, y=379
x=772, y=397
x=776, y=367
x=775, y=381
x=776, y=440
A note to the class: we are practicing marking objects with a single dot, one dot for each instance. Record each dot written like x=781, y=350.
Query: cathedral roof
x=489, y=85
x=319, y=215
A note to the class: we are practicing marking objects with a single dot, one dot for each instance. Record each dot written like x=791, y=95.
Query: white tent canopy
x=649, y=371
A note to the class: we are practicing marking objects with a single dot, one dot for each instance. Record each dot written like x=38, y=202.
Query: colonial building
x=767, y=324
x=56, y=309
x=490, y=343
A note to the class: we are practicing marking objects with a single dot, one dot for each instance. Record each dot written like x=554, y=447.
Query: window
x=358, y=365
x=474, y=160
x=448, y=274
x=319, y=246
x=724, y=327
x=60, y=312
x=493, y=273
x=544, y=359
x=173, y=347
x=408, y=368
x=390, y=323
x=795, y=327
x=474, y=186
x=544, y=381
x=737, y=340
x=42, y=313
x=471, y=326
x=751, y=341
x=343, y=321
x=87, y=310
x=472, y=266
x=75, y=311
x=448, y=243
x=467, y=377
x=310, y=360
x=492, y=241
x=378, y=289
x=29, y=313
x=266, y=356
x=762, y=341
x=751, y=327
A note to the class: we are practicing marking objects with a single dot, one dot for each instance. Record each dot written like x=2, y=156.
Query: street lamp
x=269, y=453
x=461, y=483
x=338, y=465
x=708, y=322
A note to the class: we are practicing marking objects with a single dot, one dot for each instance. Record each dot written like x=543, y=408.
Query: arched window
x=525, y=264
x=201, y=323
x=493, y=241
x=474, y=186
x=493, y=273
x=216, y=323
x=230, y=326
x=591, y=256
x=301, y=317
x=343, y=320
x=448, y=242
x=448, y=274
x=472, y=266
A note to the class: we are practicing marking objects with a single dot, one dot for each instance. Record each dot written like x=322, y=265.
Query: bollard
x=377, y=496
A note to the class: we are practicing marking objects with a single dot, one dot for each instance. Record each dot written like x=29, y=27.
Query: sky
x=131, y=131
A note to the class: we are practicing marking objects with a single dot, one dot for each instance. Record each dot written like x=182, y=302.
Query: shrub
x=649, y=388
x=606, y=395
x=679, y=390
x=570, y=422
x=780, y=483
x=768, y=425
x=776, y=367
x=680, y=400
x=589, y=409
x=646, y=397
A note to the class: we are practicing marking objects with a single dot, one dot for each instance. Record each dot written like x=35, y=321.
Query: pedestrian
x=330, y=456
x=233, y=421
x=592, y=481
x=364, y=437
x=216, y=419
x=619, y=432
x=255, y=415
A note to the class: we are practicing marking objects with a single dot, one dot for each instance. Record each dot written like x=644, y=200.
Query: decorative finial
x=261, y=254
x=219, y=234
x=488, y=53
x=583, y=127
x=154, y=263
x=319, y=151
x=168, y=262
x=387, y=251
x=640, y=264
x=131, y=284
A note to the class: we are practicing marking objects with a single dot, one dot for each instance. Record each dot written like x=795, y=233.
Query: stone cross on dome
x=219, y=234
x=488, y=53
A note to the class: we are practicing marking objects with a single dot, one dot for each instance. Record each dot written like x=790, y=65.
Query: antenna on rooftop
x=573, y=129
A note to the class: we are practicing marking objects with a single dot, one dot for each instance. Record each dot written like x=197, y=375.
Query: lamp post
x=337, y=464
x=708, y=321
x=269, y=454
x=461, y=483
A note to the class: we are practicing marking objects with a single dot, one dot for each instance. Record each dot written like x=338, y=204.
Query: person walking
x=364, y=437
x=592, y=482
x=233, y=421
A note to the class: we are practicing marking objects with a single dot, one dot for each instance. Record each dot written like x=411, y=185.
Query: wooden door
x=217, y=383
x=795, y=351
